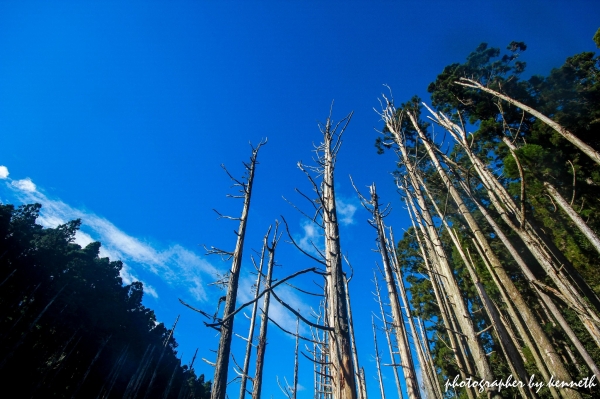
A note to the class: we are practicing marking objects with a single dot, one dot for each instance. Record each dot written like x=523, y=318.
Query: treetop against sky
x=121, y=115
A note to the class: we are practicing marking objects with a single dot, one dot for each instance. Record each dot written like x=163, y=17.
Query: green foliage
x=571, y=96
x=63, y=306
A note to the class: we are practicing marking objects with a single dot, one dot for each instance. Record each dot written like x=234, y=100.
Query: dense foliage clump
x=69, y=326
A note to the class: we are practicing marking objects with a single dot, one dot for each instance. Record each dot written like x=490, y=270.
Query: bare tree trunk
x=170, y=384
x=219, y=386
x=554, y=362
x=377, y=361
x=589, y=151
x=544, y=298
x=115, y=373
x=387, y=336
x=264, y=321
x=250, y=337
x=295, y=395
x=340, y=353
x=408, y=367
x=583, y=227
x=462, y=314
x=87, y=371
x=462, y=361
x=431, y=385
x=359, y=382
x=531, y=236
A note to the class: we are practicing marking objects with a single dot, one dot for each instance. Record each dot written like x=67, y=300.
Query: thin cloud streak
x=176, y=265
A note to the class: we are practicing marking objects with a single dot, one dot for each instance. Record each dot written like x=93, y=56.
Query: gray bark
x=219, y=386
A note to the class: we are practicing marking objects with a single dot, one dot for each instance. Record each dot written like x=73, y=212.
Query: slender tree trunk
x=534, y=283
x=87, y=372
x=359, y=382
x=295, y=392
x=432, y=387
x=589, y=151
x=462, y=314
x=219, y=386
x=250, y=337
x=462, y=361
x=340, y=353
x=377, y=360
x=387, y=336
x=539, y=246
x=581, y=225
x=170, y=384
x=554, y=362
x=408, y=367
x=264, y=321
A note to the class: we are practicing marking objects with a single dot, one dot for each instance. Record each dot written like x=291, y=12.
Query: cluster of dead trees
x=478, y=289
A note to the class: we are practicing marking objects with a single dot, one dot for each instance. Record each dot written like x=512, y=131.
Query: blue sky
x=121, y=113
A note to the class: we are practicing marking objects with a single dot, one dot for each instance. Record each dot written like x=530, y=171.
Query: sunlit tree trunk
x=554, y=362
x=250, y=338
x=264, y=321
x=462, y=314
x=386, y=330
x=406, y=359
x=219, y=385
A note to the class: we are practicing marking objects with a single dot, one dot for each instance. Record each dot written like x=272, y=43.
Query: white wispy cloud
x=346, y=211
x=175, y=265
x=24, y=185
x=310, y=238
x=3, y=172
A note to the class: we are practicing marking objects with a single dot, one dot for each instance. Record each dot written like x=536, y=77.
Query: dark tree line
x=70, y=328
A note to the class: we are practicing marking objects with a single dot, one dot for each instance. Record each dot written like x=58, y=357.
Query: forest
x=495, y=282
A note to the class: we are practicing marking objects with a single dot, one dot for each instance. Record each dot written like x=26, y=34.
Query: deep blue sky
x=122, y=112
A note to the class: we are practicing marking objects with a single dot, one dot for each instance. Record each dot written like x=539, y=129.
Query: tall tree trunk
x=462, y=361
x=219, y=386
x=359, y=382
x=250, y=337
x=87, y=372
x=377, y=361
x=554, y=362
x=589, y=151
x=431, y=384
x=463, y=318
x=264, y=321
x=581, y=225
x=557, y=268
x=386, y=330
x=340, y=353
x=406, y=359
x=534, y=283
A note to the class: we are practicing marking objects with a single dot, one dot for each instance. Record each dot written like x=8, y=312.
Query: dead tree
x=219, y=385
x=343, y=378
x=87, y=372
x=362, y=389
x=250, y=338
x=505, y=282
x=406, y=358
x=585, y=148
x=291, y=392
x=264, y=321
x=388, y=338
x=577, y=220
x=377, y=360
x=432, y=386
x=393, y=124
